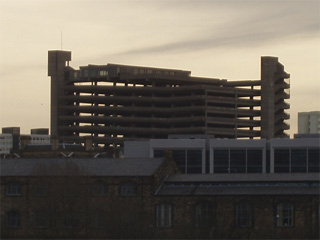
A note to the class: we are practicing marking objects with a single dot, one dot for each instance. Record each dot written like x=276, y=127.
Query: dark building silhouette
x=146, y=198
x=113, y=103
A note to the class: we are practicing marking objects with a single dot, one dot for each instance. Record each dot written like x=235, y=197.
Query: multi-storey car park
x=111, y=103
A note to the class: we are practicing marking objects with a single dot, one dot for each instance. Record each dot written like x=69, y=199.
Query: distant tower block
x=309, y=122
x=58, y=63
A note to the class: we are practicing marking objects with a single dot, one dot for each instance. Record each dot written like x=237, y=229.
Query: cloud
x=247, y=24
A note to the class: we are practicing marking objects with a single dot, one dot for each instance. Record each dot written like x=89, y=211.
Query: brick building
x=146, y=198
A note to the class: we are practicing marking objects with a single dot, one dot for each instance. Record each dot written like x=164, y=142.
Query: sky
x=211, y=38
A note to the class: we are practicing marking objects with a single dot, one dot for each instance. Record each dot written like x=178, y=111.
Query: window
x=179, y=156
x=40, y=189
x=13, y=189
x=13, y=219
x=85, y=72
x=41, y=219
x=204, y=214
x=243, y=214
x=284, y=214
x=98, y=220
x=194, y=161
x=128, y=189
x=99, y=189
x=93, y=72
x=281, y=160
x=159, y=153
x=187, y=160
x=313, y=160
x=103, y=73
x=70, y=220
x=164, y=215
x=221, y=161
x=298, y=160
x=254, y=161
x=237, y=161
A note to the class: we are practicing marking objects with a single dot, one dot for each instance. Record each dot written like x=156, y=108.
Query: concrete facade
x=114, y=103
x=275, y=85
x=309, y=122
x=11, y=141
x=235, y=155
x=6, y=143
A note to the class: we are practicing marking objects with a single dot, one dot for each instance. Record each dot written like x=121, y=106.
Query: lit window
x=204, y=214
x=128, y=189
x=284, y=214
x=102, y=73
x=164, y=215
x=99, y=189
x=13, y=219
x=75, y=75
x=243, y=214
x=13, y=189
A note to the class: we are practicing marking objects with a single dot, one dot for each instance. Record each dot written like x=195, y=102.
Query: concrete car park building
x=114, y=103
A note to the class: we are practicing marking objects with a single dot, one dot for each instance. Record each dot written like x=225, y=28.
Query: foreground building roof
x=84, y=167
x=240, y=184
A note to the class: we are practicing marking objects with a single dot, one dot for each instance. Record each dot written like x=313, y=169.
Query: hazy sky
x=220, y=39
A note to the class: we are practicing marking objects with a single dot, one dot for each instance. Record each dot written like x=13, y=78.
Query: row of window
x=229, y=160
x=237, y=161
x=204, y=216
x=188, y=160
x=42, y=219
x=97, y=189
x=296, y=160
x=85, y=72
